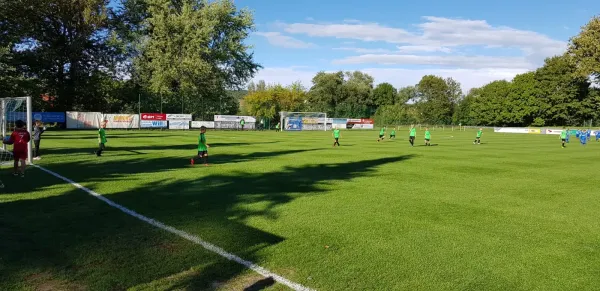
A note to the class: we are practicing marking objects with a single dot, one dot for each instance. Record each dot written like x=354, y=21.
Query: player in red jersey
x=19, y=139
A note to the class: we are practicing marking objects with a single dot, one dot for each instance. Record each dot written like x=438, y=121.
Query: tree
x=585, y=49
x=384, y=94
x=406, y=94
x=433, y=101
x=357, y=96
x=327, y=92
x=274, y=99
x=489, y=103
x=195, y=50
x=522, y=104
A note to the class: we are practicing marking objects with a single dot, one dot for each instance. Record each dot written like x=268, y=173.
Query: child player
x=412, y=135
x=478, y=137
x=38, y=130
x=19, y=139
x=393, y=133
x=568, y=134
x=202, y=148
x=597, y=135
x=336, y=137
x=381, y=134
x=101, y=138
x=427, y=137
x=583, y=137
x=564, y=136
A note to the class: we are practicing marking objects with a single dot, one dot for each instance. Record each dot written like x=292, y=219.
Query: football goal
x=298, y=121
x=13, y=109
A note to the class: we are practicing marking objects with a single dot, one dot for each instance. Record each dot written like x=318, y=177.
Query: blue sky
x=400, y=41
x=474, y=42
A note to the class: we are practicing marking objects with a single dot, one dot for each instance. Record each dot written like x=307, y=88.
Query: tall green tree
x=406, y=94
x=384, y=94
x=195, y=50
x=585, y=49
x=327, y=92
x=434, y=103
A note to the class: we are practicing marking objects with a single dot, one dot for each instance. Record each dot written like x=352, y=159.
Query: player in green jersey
x=478, y=137
x=427, y=137
x=202, y=148
x=381, y=134
x=563, y=137
x=336, y=137
x=101, y=138
x=393, y=134
x=412, y=135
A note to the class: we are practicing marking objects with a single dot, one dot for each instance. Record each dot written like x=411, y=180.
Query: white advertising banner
x=187, y=117
x=179, y=124
x=362, y=126
x=153, y=124
x=338, y=126
x=595, y=132
x=122, y=121
x=247, y=119
x=511, y=130
x=553, y=131
x=207, y=124
x=83, y=120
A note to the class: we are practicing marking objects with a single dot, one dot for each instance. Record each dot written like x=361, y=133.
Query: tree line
x=190, y=56
x=561, y=92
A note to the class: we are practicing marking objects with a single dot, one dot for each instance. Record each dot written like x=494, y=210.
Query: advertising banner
x=179, y=124
x=236, y=118
x=595, y=132
x=187, y=117
x=367, y=121
x=294, y=123
x=122, y=121
x=511, y=130
x=553, y=131
x=83, y=120
x=153, y=116
x=340, y=121
x=535, y=131
x=207, y=124
x=153, y=124
x=338, y=126
x=46, y=117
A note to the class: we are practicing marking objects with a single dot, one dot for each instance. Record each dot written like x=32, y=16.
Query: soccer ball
x=6, y=140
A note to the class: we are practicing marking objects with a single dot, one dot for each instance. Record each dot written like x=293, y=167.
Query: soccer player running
x=336, y=137
x=427, y=137
x=202, y=148
x=38, y=130
x=478, y=137
x=101, y=139
x=412, y=135
x=19, y=139
x=568, y=137
x=393, y=133
x=583, y=137
x=381, y=134
x=564, y=136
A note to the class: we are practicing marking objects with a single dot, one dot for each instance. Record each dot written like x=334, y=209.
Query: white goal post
x=299, y=121
x=13, y=109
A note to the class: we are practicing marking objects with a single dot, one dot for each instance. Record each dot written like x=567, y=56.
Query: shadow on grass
x=73, y=240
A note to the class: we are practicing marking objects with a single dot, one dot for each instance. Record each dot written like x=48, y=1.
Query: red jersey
x=20, y=138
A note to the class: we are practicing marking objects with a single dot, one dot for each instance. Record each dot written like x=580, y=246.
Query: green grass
x=517, y=212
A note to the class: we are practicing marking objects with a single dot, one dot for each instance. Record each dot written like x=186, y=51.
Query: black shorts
x=381, y=136
x=202, y=153
x=564, y=139
x=426, y=139
x=411, y=137
x=337, y=139
x=392, y=135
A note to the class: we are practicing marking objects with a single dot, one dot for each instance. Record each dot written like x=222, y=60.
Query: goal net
x=13, y=109
x=298, y=121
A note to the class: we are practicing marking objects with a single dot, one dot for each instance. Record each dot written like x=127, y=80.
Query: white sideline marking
x=193, y=238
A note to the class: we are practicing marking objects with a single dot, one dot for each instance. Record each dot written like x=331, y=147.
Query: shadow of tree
x=82, y=240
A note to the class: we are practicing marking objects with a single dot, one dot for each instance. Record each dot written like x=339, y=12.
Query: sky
x=474, y=42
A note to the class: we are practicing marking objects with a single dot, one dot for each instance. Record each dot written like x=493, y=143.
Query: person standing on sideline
x=38, y=130
x=242, y=123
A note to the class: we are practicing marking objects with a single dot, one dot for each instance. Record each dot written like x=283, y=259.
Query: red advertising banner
x=153, y=116
x=367, y=121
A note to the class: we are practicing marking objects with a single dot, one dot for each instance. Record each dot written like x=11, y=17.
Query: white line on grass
x=193, y=238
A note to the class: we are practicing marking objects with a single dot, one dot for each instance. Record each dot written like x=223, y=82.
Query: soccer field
x=517, y=212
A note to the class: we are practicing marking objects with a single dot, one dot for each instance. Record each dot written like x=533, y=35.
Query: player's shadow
x=432, y=145
x=76, y=236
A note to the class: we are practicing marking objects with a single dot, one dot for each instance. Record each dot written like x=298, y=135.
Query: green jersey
x=427, y=134
x=413, y=132
x=479, y=133
x=393, y=132
x=202, y=143
x=101, y=135
x=382, y=131
x=336, y=133
x=563, y=134
x=242, y=122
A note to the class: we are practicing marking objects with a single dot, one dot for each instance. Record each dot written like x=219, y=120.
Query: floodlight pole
x=29, y=127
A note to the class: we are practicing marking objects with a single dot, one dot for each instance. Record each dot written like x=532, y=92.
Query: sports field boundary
x=190, y=237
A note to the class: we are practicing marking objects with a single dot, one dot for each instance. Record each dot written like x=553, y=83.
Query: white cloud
x=278, y=39
x=469, y=78
x=437, y=34
x=466, y=62
x=363, y=50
